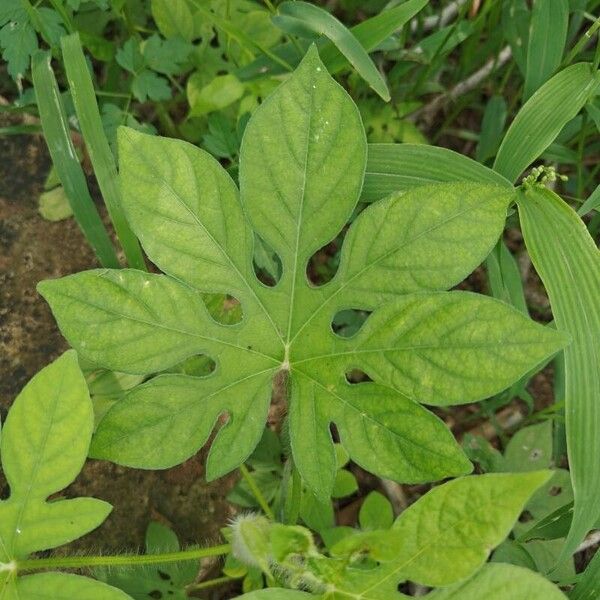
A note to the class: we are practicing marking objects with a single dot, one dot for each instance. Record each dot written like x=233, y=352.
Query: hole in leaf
x=356, y=376
x=266, y=262
x=157, y=594
x=555, y=490
x=201, y=365
x=525, y=517
x=163, y=575
x=348, y=322
x=223, y=308
x=323, y=264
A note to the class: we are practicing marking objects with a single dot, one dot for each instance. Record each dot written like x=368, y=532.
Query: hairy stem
x=78, y=562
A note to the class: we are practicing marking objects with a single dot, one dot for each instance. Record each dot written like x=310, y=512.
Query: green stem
x=293, y=507
x=195, y=587
x=583, y=40
x=258, y=495
x=79, y=562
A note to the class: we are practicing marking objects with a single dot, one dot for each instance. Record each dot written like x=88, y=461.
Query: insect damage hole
x=223, y=308
x=266, y=263
x=349, y=321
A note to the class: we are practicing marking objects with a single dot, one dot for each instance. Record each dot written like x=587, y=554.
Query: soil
x=32, y=249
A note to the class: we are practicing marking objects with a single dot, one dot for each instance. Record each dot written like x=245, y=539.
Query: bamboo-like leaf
x=84, y=99
x=544, y=115
x=70, y=173
x=568, y=262
x=400, y=167
x=370, y=33
x=324, y=23
x=547, y=38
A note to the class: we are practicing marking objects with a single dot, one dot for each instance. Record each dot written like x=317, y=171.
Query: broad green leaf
x=542, y=118
x=401, y=167
x=222, y=91
x=376, y=512
x=63, y=586
x=173, y=18
x=324, y=23
x=445, y=536
x=45, y=441
x=529, y=449
x=301, y=169
x=501, y=582
x=547, y=38
x=569, y=266
x=54, y=205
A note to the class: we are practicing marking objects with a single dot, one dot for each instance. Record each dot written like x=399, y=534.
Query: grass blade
x=70, y=173
x=369, y=33
x=316, y=19
x=492, y=128
x=547, y=38
x=84, y=99
x=399, y=167
x=544, y=115
x=567, y=260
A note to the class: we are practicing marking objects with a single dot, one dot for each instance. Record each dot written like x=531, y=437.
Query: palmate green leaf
x=542, y=118
x=45, y=441
x=301, y=170
x=500, y=582
x=569, y=266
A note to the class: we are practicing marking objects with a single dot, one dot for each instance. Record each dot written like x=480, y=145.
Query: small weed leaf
x=302, y=164
x=44, y=444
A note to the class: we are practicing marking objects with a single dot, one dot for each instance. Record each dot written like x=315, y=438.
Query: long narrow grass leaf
x=84, y=99
x=70, y=173
x=323, y=23
x=544, y=115
x=399, y=167
x=547, y=38
x=370, y=33
x=568, y=263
